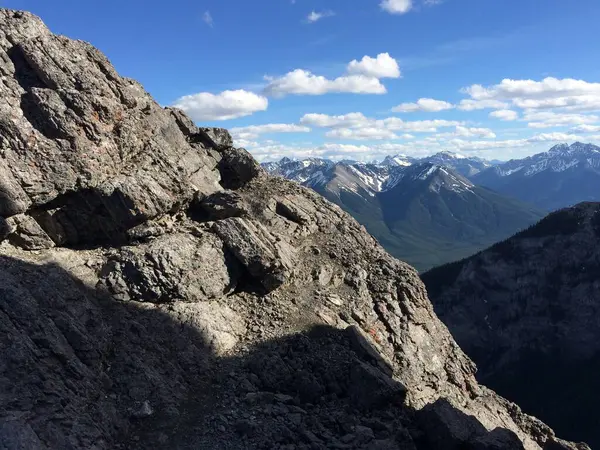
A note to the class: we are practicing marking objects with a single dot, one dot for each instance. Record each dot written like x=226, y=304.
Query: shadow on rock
x=80, y=369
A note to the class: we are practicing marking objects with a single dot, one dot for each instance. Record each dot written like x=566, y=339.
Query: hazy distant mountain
x=466, y=166
x=423, y=213
x=528, y=309
x=563, y=176
x=398, y=160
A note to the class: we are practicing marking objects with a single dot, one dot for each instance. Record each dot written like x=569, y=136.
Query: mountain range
x=425, y=212
x=561, y=177
x=444, y=207
x=528, y=308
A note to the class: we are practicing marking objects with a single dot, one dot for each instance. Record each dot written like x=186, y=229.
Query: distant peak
x=449, y=154
x=397, y=160
x=559, y=148
x=577, y=147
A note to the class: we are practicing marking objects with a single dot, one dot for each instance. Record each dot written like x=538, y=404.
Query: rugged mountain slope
x=561, y=177
x=438, y=216
x=421, y=213
x=527, y=310
x=379, y=176
x=159, y=290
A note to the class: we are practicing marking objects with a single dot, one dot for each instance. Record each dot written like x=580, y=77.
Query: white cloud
x=505, y=114
x=424, y=104
x=207, y=18
x=587, y=128
x=245, y=143
x=475, y=132
x=550, y=93
x=396, y=6
x=383, y=66
x=549, y=119
x=419, y=148
x=472, y=105
x=350, y=120
x=302, y=82
x=554, y=137
x=254, y=131
x=418, y=126
x=223, y=106
x=316, y=16
x=361, y=134
x=547, y=88
x=358, y=120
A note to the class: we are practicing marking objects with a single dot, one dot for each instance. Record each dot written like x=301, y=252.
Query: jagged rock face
x=158, y=290
x=87, y=153
x=528, y=308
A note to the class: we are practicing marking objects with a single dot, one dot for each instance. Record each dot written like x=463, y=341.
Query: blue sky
x=358, y=78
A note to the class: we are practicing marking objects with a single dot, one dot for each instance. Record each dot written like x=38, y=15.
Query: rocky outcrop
x=159, y=290
x=528, y=309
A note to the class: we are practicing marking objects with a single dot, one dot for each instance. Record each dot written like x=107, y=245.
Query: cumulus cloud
x=567, y=94
x=362, y=134
x=302, y=82
x=382, y=66
x=316, y=16
x=505, y=114
x=224, y=106
x=207, y=18
x=254, y=131
x=549, y=119
x=418, y=126
x=587, y=129
x=362, y=77
x=358, y=120
x=473, y=105
x=396, y=6
x=351, y=120
x=245, y=143
x=425, y=105
x=474, y=132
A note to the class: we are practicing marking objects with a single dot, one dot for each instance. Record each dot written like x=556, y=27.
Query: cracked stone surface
x=128, y=320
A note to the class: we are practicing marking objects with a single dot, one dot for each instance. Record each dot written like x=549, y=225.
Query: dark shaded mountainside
x=527, y=310
x=562, y=177
x=424, y=213
x=159, y=290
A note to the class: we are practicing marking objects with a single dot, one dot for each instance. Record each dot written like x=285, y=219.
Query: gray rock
x=27, y=233
x=238, y=168
x=370, y=388
x=444, y=429
x=172, y=267
x=15, y=435
x=78, y=137
x=142, y=411
x=219, y=206
x=220, y=137
x=257, y=249
x=498, y=439
x=140, y=300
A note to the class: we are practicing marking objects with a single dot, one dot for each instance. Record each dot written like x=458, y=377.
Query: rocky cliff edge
x=159, y=290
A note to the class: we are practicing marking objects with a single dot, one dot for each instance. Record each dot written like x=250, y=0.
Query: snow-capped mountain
x=563, y=176
x=398, y=160
x=466, y=166
x=346, y=175
x=438, y=177
x=424, y=213
x=300, y=171
x=372, y=177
